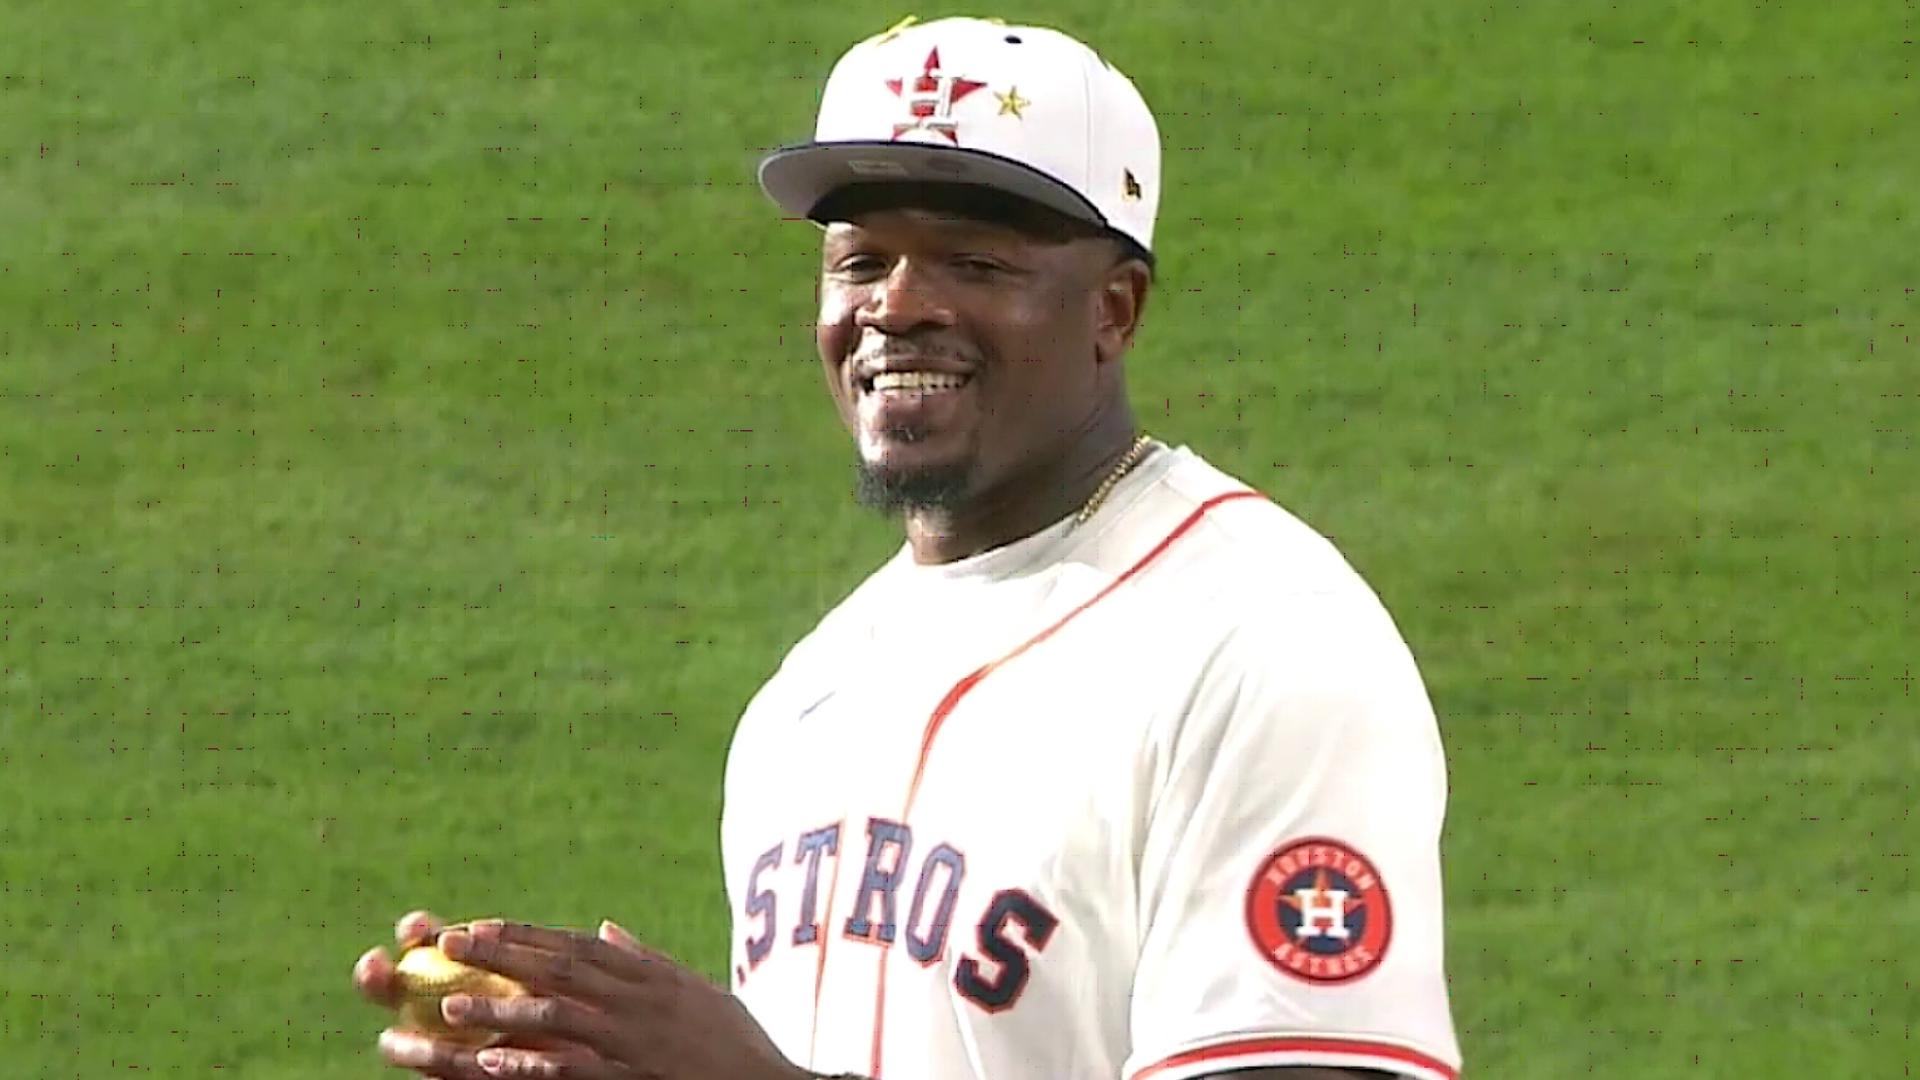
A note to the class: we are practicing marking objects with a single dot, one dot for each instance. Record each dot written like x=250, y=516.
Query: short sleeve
x=1289, y=873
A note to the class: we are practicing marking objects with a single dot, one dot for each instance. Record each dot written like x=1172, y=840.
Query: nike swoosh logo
x=822, y=700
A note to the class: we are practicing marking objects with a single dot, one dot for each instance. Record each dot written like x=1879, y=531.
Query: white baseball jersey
x=1148, y=798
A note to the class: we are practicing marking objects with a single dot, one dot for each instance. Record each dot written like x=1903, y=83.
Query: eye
x=859, y=267
x=979, y=266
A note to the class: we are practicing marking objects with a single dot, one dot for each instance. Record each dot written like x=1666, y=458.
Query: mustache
x=889, y=352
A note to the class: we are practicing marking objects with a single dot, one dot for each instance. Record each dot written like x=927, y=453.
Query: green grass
x=411, y=457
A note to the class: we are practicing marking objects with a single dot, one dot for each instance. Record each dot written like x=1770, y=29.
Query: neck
x=1026, y=503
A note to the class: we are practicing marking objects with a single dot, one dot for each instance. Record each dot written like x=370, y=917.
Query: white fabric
x=998, y=94
x=1125, y=780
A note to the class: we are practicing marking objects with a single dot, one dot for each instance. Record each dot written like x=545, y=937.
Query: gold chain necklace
x=1132, y=457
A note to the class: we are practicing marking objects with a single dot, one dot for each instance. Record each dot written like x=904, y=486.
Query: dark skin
x=601, y=1007
x=1038, y=326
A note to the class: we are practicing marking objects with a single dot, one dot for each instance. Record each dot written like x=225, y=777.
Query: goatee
x=940, y=487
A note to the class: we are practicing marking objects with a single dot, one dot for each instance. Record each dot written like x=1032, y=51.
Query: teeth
x=917, y=380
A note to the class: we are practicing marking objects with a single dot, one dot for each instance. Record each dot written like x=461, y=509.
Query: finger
x=411, y=1050
x=527, y=1018
x=616, y=935
x=581, y=967
x=518, y=1063
x=415, y=927
x=550, y=957
x=552, y=939
x=373, y=977
x=504, y=1061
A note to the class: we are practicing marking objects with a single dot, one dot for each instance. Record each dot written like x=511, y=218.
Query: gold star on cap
x=1011, y=103
x=893, y=31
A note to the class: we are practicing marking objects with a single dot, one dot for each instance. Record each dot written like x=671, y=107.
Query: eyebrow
x=952, y=224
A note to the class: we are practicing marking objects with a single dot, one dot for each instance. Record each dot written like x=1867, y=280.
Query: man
x=1115, y=769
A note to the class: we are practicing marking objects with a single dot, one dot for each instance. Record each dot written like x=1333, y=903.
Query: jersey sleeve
x=1289, y=872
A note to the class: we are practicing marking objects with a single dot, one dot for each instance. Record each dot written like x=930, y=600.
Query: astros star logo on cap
x=1069, y=131
x=931, y=99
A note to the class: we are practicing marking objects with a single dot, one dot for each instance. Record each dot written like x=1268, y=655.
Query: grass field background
x=412, y=456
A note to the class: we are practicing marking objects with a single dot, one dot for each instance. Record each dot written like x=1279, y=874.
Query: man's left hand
x=611, y=1008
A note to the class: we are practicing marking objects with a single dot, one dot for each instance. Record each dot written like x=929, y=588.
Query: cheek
x=1047, y=339
x=834, y=336
x=834, y=333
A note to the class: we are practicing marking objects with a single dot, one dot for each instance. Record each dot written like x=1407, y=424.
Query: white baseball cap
x=1022, y=109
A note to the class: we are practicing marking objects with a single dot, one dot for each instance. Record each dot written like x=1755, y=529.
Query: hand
x=373, y=972
x=599, y=1007
x=374, y=978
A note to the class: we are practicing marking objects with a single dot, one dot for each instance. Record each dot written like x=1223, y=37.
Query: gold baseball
x=424, y=975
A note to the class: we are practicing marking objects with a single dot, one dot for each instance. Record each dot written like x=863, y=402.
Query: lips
x=913, y=382
x=922, y=374
x=899, y=399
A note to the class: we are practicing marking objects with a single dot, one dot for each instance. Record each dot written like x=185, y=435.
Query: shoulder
x=821, y=658
x=1278, y=632
x=1243, y=565
x=849, y=619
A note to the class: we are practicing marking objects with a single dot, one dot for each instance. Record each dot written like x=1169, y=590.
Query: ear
x=1122, y=300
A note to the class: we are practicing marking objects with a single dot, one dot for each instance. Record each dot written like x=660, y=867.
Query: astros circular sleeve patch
x=1318, y=911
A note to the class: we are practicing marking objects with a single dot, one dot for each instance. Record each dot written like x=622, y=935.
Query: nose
x=907, y=299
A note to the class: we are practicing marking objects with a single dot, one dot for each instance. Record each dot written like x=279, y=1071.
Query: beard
x=892, y=491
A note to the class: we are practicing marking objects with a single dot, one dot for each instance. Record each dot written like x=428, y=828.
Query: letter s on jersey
x=998, y=991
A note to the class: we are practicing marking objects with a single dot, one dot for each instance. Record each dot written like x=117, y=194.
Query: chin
x=894, y=482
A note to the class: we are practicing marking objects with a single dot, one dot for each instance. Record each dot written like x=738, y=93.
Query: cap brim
x=797, y=178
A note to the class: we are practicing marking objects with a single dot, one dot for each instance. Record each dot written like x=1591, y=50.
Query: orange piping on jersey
x=965, y=686
x=1346, y=1052
x=826, y=922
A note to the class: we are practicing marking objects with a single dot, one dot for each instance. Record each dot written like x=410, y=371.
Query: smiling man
x=1115, y=769
x=943, y=311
